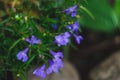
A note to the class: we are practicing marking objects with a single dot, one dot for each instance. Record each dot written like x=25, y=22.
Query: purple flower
x=78, y=38
x=22, y=55
x=55, y=65
x=73, y=14
x=74, y=27
x=62, y=39
x=56, y=55
x=33, y=40
x=66, y=35
x=71, y=11
x=40, y=72
x=58, y=62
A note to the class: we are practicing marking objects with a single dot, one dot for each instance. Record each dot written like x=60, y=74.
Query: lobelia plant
x=61, y=40
x=33, y=41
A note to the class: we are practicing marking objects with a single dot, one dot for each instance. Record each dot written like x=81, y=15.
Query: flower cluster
x=60, y=40
x=54, y=65
x=22, y=55
x=74, y=30
x=63, y=39
x=71, y=11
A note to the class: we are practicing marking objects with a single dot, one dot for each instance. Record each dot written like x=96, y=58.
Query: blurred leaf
x=12, y=46
x=23, y=75
x=29, y=61
x=87, y=11
x=117, y=9
x=4, y=21
x=58, y=3
x=2, y=13
x=8, y=29
x=105, y=17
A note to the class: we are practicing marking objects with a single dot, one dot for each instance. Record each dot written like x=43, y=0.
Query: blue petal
x=40, y=72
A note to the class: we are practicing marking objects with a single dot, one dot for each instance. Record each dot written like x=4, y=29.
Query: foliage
x=28, y=31
x=117, y=9
x=105, y=17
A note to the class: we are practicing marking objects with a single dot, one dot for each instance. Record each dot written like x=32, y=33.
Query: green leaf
x=4, y=21
x=29, y=61
x=117, y=9
x=87, y=11
x=12, y=46
x=23, y=75
x=58, y=3
x=8, y=29
x=105, y=17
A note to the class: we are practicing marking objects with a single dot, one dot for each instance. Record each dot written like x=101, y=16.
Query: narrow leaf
x=88, y=12
x=13, y=45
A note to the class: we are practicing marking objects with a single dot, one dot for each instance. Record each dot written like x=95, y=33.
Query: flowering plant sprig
x=38, y=41
x=61, y=40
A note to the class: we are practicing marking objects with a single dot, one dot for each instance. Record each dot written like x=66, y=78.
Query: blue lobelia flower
x=74, y=27
x=33, y=40
x=56, y=63
x=71, y=11
x=62, y=39
x=22, y=55
x=56, y=55
x=40, y=72
x=78, y=38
